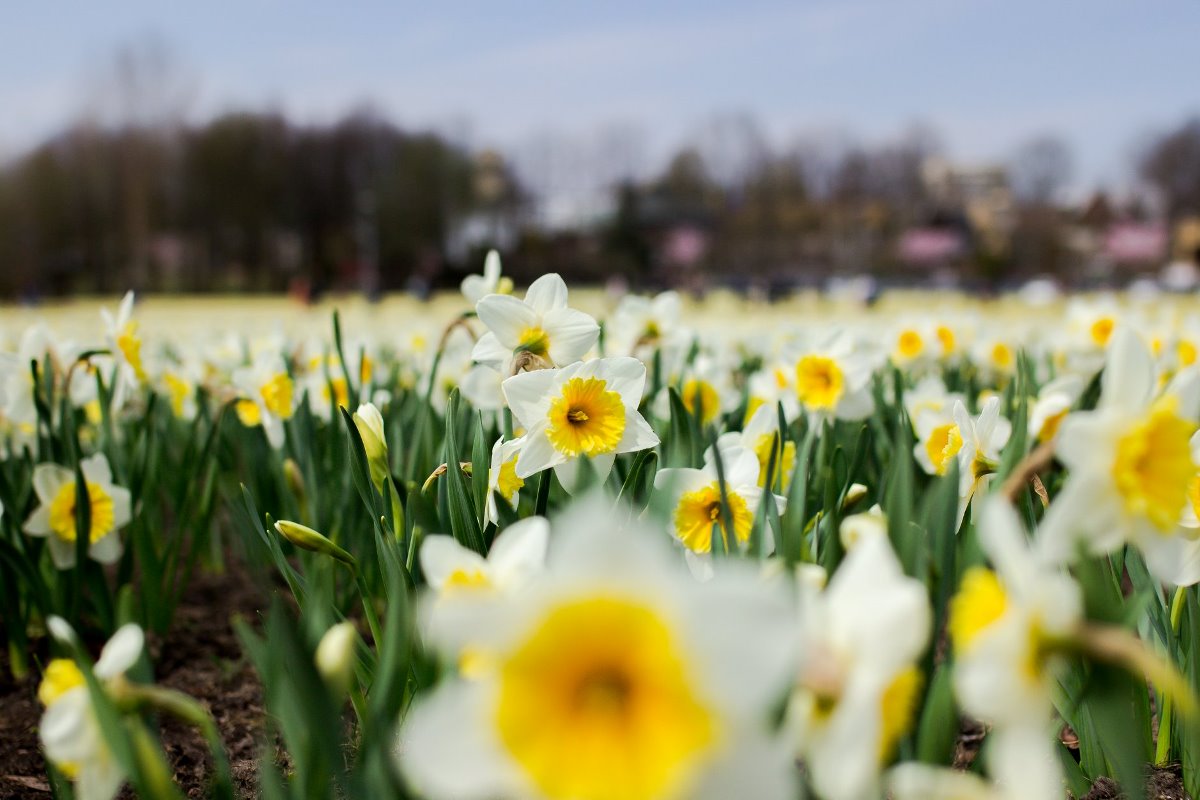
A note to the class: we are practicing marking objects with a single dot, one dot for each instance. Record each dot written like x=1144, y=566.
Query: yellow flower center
x=277, y=395
x=700, y=398
x=504, y=285
x=366, y=369
x=131, y=347
x=597, y=705
x=700, y=510
x=947, y=339
x=61, y=676
x=1187, y=353
x=1102, y=330
x=1051, y=425
x=248, y=412
x=944, y=443
x=819, y=382
x=507, y=482
x=178, y=390
x=1002, y=355
x=62, y=512
x=586, y=419
x=1154, y=467
x=980, y=601
x=464, y=581
x=340, y=395
x=910, y=344
x=898, y=708
x=534, y=340
x=785, y=458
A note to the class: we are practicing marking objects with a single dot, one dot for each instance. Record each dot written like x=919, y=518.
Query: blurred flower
x=267, y=396
x=858, y=686
x=54, y=518
x=1005, y=627
x=69, y=731
x=613, y=675
x=476, y=287
x=1131, y=468
x=834, y=379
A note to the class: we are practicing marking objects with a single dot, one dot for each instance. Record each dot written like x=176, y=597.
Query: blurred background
x=268, y=146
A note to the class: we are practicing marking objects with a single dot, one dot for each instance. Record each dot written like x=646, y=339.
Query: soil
x=1161, y=784
x=201, y=657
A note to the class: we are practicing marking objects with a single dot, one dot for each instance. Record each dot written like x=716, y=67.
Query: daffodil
x=974, y=443
x=1130, y=466
x=833, y=380
x=1053, y=402
x=613, y=675
x=69, y=731
x=517, y=555
x=502, y=477
x=585, y=410
x=761, y=435
x=125, y=342
x=1005, y=628
x=858, y=684
x=857, y=527
x=641, y=324
x=541, y=325
x=696, y=503
x=267, y=396
x=476, y=287
x=54, y=518
x=929, y=395
x=771, y=386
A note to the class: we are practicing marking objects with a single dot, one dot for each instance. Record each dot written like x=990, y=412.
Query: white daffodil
x=857, y=527
x=502, y=476
x=772, y=385
x=69, y=731
x=857, y=688
x=585, y=410
x=705, y=388
x=125, y=343
x=542, y=325
x=1004, y=626
x=517, y=555
x=1130, y=466
x=54, y=517
x=1053, y=403
x=476, y=287
x=759, y=436
x=19, y=410
x=641, y=324
x=325, y=384
x=833, y=381
x=974, y=443
x=267, y=396
x=928, y=395
x=612, y=675
x=913, y=343
x=178, y=383
x=695, y=502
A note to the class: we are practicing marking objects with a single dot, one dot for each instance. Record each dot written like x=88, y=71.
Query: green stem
x=369, y=610
x=1162, y=751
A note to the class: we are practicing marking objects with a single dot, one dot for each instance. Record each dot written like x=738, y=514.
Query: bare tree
x=1171, y=164
x=1041, y=168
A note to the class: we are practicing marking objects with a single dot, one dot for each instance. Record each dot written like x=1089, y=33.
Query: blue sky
x=985, y=73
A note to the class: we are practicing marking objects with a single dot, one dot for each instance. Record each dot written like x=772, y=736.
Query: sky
x=985, y=74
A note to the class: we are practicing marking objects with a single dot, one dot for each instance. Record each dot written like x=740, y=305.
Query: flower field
x=554, y=544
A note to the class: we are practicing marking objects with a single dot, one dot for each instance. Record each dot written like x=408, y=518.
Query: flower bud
x=306, y=538
x=335, y=656
x=369, y=422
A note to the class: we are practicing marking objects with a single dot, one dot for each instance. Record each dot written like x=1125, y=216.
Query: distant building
x=981, y=193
